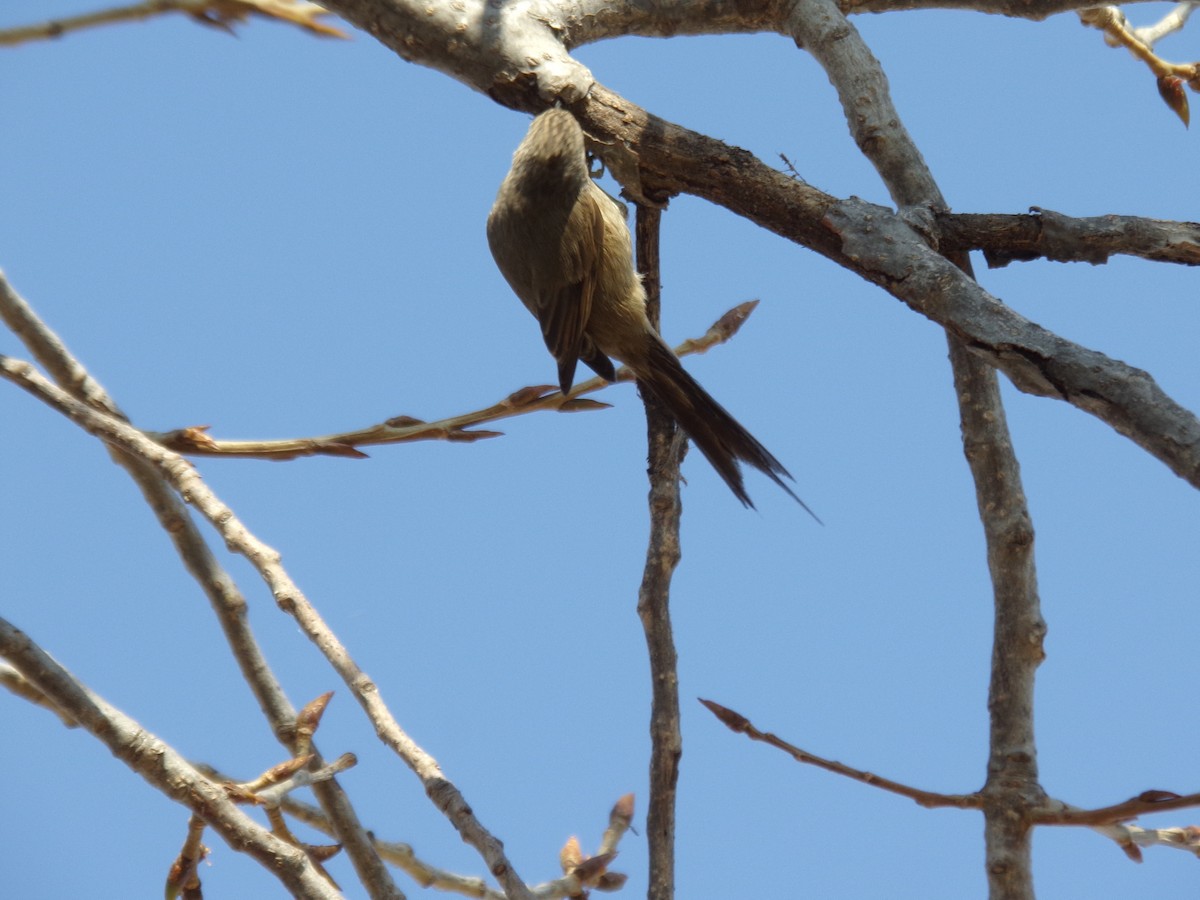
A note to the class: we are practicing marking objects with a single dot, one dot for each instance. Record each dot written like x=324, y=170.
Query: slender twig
x=1012, y=790
x=219, y=13
x=1131, y=838
x=196, y=441
x=427, y=875
x=1170, y=23
x=184, y=876
x=183, y=478
x=160, y=765
x=1117, y=30
x=20, y=687
x=226, y=599
x=739, y=724
x=666, y=450
x=1146, y=803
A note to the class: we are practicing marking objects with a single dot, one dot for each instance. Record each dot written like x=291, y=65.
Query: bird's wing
x=564, y=309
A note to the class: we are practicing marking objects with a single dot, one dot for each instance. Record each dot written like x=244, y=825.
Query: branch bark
x=161, y=766
x=184, y=479
x=1012, y=791
x=667, y=446
x=227, y=601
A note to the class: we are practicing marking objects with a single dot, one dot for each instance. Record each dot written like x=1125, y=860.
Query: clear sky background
x=281, y=236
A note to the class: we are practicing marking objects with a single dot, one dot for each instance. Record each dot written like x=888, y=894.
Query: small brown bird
x=564, y=248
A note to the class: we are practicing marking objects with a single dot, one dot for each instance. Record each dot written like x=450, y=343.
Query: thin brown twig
x=739, y=724
x=403, y=857
x=219, y=13
x=195, y=441
x=183, y=477
x=184, y=875
x=1145, y=803
x=227, y=601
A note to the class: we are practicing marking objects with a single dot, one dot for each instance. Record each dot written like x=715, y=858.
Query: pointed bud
x=1170, y=88
x=570, y=855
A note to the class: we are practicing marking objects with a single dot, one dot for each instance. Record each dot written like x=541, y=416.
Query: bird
x=564, y=248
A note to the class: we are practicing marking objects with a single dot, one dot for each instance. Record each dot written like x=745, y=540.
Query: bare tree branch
x=1168, y=24
x=667, y=446
x=1045, y=234
x=183, y=478
x=1144, y=804
x=20, y=687
x=226, y=599
x=516, y=52
x=1037, y=361
x=161, y=766
x=429, y=876
x=195, y=441
x=1012, y=789
x=1131, y=838
x=222, y=14
x=739, y=724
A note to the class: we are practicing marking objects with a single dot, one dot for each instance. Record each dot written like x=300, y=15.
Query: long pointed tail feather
x=720, y=437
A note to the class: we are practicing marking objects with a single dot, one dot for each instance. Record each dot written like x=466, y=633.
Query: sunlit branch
x=403, y=857
x=196, y=441
x=739, y=724
x=223, y=14
x=160, y=765
x=184, y=478
x=223, y=594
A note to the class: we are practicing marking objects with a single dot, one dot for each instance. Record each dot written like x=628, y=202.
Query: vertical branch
x=666, y=449
x=1012, y=790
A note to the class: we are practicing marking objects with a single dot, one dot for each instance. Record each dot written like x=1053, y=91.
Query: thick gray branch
x=1012, y=788
x=1045, y=234
x=886, y=250
x=517, y=51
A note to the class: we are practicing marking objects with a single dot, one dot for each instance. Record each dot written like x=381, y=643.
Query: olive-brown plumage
x=564, y=248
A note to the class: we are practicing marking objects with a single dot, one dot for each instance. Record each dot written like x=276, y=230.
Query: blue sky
x=282, y=236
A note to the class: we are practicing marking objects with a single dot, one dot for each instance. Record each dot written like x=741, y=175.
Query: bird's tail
x=720, y=437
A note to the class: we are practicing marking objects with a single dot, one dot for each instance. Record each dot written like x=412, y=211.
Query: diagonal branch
x=739, y=724
x=891, y=254
x=183, y=477
x=221, y=14
x=1170, y=23
x=161, y=766
x=195, y=441
x=403, y=857
x=882, y=246
x=222, y=591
